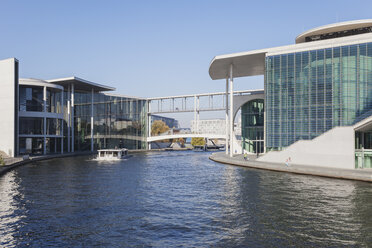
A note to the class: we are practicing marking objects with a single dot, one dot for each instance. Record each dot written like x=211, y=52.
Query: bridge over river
x=197, y=103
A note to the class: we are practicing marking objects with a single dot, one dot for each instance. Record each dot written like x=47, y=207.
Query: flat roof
x=38, y=82
x=334, y=27
x=80, y=84
x=252, y=63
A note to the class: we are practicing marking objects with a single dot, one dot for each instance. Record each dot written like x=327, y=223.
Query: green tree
x=158, y=127
x=197, y=142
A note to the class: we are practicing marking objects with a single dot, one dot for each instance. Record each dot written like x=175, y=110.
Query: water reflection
x=10, y=210
x=178, y=199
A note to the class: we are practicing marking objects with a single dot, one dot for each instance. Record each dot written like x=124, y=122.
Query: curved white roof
x=335, y=27
x=80, y=84
x=38, y=82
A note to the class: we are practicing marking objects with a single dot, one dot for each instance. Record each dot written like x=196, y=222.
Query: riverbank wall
x=12, y=163
x=349, y=174
x=16, y=162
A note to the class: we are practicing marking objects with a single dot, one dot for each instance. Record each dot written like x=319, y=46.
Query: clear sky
x=154, y=48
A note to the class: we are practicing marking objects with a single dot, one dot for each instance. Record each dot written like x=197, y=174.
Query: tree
x=2, y=162
x=197, y=142
x=181, y=141
x=158, y=127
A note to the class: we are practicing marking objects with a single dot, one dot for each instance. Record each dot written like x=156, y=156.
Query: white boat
x=112, y=154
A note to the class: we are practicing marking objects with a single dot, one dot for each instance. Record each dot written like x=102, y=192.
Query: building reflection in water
x=9, y=199
x=297, y=209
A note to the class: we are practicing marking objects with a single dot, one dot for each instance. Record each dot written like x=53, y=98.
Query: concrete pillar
x=92, y=123
x=149, y=123
x=197, y=113
x=227, y=116
x=44, y=110
x=61, y=121
x=72, y=118
x=231, y=112
x=69, y=119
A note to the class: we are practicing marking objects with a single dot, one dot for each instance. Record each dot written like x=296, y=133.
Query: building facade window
x=31, y=125
x=252, y=117
x=310, y=92
x=31, y=145
x=31, y=98
x=118, y=122
x=53, y=126
x=363, y=149
x=53, y=101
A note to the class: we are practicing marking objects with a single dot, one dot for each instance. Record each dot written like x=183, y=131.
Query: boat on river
x=112, y=154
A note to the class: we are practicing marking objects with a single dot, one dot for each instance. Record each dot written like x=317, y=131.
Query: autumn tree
x=181, y=141
x=158, y=127
x=197, y=142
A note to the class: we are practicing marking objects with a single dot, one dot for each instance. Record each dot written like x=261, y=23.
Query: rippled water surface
x=178, y=199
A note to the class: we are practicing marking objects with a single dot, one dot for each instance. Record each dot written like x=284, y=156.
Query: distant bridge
x=199, y=103
x=185, y=135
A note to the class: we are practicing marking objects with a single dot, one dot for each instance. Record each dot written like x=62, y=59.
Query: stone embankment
x=350, y=174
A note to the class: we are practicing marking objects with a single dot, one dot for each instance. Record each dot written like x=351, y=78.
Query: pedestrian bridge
x=185, y=135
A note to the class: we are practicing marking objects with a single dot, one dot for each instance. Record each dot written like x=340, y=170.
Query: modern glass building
x=317, y=91
x=318, y=96
x=75, y=115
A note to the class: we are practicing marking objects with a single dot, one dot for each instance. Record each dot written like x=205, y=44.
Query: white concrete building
x=317, y=92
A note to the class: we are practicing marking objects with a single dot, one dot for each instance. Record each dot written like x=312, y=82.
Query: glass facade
x=310, y=92
x=31, y=125
x=363, y=149
x=31, y=98
x=252, y=116
x=53, y=101
x=53, y=126
x=119, y=122
x=31, y=145
x=41, y=132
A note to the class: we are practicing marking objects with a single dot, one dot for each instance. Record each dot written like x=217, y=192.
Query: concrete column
x=149, y=123
x=69, y=119
x=61, y=121
x=231, y=112
x=44, y=110
x=227, y=116
x=362, y=149
x=72, y=118
x=92, y=123
x=197, y=113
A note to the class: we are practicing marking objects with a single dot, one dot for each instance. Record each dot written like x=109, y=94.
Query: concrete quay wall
x=339, y=173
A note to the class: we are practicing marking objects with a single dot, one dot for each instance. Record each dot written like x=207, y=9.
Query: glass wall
x=31, y=145
x=53, y=126
x=32, y=135
x=363, y=149
x=30, y=98
x=119, y=122
x=31, y=125
x=252, y=116
x=53, y=101
x=308, y=93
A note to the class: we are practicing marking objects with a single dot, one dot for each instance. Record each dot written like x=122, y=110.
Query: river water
x=178, y=199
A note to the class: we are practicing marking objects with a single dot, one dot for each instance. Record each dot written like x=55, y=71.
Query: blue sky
x=154, y=48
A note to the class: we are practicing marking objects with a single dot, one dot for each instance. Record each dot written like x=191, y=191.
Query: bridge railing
x=193, y=103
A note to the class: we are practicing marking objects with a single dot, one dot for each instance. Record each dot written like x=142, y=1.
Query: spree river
x=178, y=199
